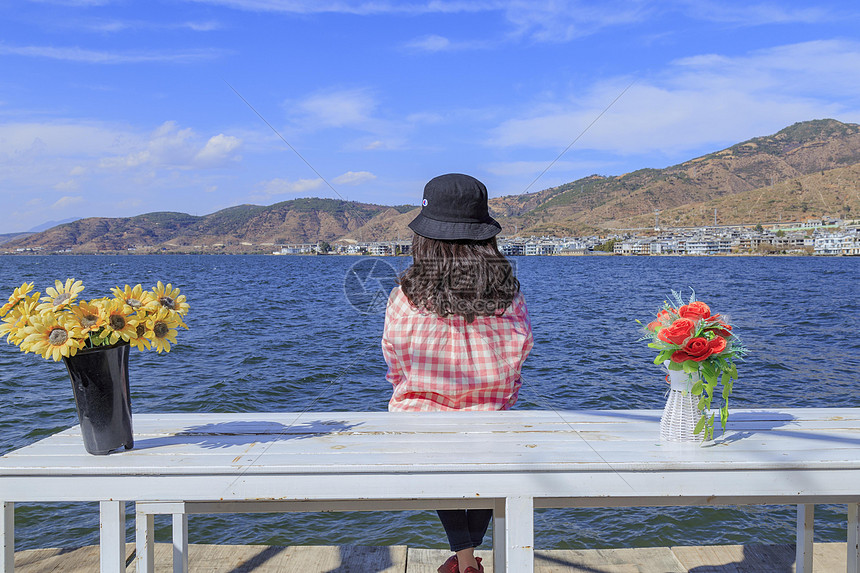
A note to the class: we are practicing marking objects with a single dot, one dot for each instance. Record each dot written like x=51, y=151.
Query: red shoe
x=450, y=566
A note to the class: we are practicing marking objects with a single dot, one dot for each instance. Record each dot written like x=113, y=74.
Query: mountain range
x=807, y=170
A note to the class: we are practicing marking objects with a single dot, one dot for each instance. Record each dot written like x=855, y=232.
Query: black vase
x=100, y=383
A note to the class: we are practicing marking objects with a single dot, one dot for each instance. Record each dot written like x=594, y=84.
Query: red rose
x=722, y=329
x=695, y=311
x=677, y=332
x=717, y=345
x=659, y=322
x=699, y=348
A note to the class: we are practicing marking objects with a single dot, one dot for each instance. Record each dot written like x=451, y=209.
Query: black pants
x=465, y=527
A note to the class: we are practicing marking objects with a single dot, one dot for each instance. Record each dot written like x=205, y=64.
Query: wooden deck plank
x=638, y=560
x=397, y=559
x=54, y=560
x=228, y=559
x=758, y=558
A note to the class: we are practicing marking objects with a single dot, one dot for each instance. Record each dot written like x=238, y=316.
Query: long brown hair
x=461, y=277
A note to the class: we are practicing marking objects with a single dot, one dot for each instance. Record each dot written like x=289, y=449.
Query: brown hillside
x=829, y=193
x=603, y=201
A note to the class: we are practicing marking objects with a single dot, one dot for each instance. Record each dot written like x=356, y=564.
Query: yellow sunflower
x=169, y=298
x=63, y=295
x=52, y=337
x=17, y=296
x=90, y=316
x=120, y=322
x=161, y=328
x=142, y=340
x=16, y=322
x=135, y=297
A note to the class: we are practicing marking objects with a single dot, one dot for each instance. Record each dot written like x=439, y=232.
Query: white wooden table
x=511, y=462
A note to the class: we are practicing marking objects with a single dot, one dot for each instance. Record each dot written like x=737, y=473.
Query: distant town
x=829, y=236
x=811, y=237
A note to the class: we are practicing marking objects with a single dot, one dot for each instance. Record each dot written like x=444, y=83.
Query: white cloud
x=285, y=186
x=76, y=54
x=710, y=99
x=352, y=109
x=114, y=26
x=745, y=14
x=346, y=108
x=218, y=151
x=67, y=201
x=547, y=20
x=430, y=43
x=89, y=160
x=208, y=26
x=78, y=139
x=433, y=43
x=360, y=7
x=565, y=20
x=67, y=185
x=170, y=146
x=354, y=178
x=525, y=168
x=74, y=3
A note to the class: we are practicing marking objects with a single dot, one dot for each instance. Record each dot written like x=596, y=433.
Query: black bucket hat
x=455, y=207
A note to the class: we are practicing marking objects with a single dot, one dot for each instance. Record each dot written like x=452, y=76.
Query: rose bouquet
x=58, y=325
x=688, y=337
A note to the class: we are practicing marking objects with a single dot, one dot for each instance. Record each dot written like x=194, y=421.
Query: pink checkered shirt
x=440, y=363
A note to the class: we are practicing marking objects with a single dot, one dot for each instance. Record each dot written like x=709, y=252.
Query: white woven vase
x=681, y=413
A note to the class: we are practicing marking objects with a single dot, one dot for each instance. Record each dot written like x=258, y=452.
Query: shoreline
x=269, y=254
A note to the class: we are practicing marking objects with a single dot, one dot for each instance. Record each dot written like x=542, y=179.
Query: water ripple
x=278, y=334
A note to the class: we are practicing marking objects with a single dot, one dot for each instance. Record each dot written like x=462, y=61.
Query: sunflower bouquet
x=58, y=325
x=689, y=338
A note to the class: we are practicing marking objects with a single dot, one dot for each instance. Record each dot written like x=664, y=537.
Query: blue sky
x=117, y=108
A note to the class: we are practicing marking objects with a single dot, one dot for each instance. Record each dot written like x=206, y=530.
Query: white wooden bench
x=512, y=462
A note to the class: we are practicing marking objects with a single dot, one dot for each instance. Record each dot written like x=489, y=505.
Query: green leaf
x=710, y=377
x=709, y=388
x=700, y=425
x=727, y=391
x=663, y=357
x=655, y=345
x=675, y=366
x=690, y=366
x=733, y=372
x=697, y=388
x=708, y=368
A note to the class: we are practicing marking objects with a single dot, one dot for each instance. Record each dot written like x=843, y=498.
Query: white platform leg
x=144, y=541
x=112, y=536
x=180, y=543
x=854, y=538
x=499, y=535
x=7, y=537
x=519, y=535
x=805, y=523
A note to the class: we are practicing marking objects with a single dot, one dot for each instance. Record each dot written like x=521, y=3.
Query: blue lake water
x=280, y=334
